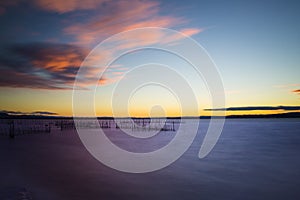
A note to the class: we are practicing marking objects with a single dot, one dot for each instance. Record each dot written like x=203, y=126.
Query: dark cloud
x=253, y=108
x=11, y=112
x=44, y=113
x=7, y=3
x=297, y=91
x=40, y=65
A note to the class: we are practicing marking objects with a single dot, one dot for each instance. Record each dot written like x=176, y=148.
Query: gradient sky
x=255, y=45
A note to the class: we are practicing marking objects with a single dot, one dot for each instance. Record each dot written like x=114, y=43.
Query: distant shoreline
x=279, y=115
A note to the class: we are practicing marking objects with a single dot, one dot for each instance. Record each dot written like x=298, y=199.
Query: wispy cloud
x=57, y=6
x=42, y=65
x=54, y=66
x=68, y=5
x=296, y=91
x=255, y=108
x=287, y=85
x=289, y=88
x=118, y=16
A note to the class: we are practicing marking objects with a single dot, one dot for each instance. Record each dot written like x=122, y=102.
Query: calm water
x=254, y=159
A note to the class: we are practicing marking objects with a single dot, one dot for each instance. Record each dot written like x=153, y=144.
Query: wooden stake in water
x=12, y=129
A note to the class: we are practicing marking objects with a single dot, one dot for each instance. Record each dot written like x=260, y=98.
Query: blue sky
x=255, y=45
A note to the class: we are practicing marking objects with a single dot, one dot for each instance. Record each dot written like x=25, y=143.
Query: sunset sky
x=254, y=44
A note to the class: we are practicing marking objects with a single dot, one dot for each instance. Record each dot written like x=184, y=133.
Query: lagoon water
x=253, y=159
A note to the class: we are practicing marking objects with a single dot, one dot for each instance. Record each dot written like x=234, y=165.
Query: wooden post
x=173, y=127
x=47, y=128
x=61, y=125
x=12, y=130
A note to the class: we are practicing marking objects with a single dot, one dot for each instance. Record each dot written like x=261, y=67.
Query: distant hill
x=7, y=116
x=279, y=115
x=3, y=115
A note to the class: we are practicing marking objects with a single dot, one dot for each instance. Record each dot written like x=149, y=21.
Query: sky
x=254, y=44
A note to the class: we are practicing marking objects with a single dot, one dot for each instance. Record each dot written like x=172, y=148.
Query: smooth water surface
x=253, y=159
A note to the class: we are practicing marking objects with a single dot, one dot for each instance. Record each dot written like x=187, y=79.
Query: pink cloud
x=110, y=80
x=119, y=16
x=191, y=31
x=68, y=5
x=114, y=17
x=57, y=64
x=122, y=16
